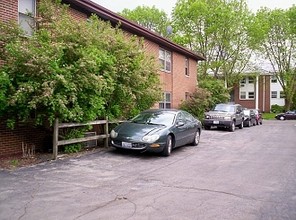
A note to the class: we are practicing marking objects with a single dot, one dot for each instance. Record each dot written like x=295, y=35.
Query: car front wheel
x=196, y=138
x=168, y=147
x=232, y=127
x=282, y=118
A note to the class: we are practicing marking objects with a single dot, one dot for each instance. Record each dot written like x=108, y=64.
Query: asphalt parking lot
x=243, y=175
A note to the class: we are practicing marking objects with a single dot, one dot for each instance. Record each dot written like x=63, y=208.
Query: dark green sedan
x=157, y=130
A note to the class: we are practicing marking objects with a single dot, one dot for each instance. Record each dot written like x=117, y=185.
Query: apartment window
x=273, y=94
x=273, y=79
x=186, y=67
x=166, y=102
x=282, y=95
x=165, y=60
x=251, y=80
x=243, y=95
x=242, y=82
x=251, y=95
x=27, y=11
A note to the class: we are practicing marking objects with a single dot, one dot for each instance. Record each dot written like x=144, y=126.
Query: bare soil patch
x=18, y=161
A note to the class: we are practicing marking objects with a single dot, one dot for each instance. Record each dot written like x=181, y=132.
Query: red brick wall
x=264, y=93
x=175, y=82
x=77, y=15
x=8, y=10
x=263, y=97
x=11, y=139
x=181, y=82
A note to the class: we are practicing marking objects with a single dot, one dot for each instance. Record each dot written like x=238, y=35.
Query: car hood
x=137, y=131
x=219, y=113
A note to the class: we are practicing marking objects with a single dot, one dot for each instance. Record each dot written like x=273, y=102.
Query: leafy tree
x=197, y=103
x=273, y=34
x=216, y=88
x=217, y=29
x=210, y=92
x=73, y=70
x=149, y=17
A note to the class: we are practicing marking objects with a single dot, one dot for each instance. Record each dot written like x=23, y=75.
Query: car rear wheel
x=241, y=126
x=232, y=127
x=168, y=147
x=207, y=127
x=196, y=138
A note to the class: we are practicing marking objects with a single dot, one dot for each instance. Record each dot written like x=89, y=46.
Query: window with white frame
x=186, y=66
x=166, y=102
x=27, y=12
x=165, y=60
x=251, y=95
x=273, y=79
x=243, y=95
x=273, y=94
x=250, y=80
x=247, y=88
x=243, y=81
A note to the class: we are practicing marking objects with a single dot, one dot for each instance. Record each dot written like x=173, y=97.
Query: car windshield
x=159, y=118
x=246, y=112
x=224, y=108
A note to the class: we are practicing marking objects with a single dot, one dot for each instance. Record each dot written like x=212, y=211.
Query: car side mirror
x=180, y=124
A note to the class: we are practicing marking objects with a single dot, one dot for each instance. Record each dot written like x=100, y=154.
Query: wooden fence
x=57, y=126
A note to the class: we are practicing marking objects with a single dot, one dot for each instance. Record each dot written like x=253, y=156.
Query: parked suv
x=226, y=116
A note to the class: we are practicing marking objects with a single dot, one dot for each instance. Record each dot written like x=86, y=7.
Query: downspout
x=257, y=92
x=264, y=91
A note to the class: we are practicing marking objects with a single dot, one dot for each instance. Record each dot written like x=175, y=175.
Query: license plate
x=126, y=145
x=215, y=122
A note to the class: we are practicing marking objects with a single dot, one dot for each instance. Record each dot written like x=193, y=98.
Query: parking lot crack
x=216, y=191
x=29, y=202
x=117, y=198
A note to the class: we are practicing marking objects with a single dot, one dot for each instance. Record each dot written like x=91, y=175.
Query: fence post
x=106, y=131
x=55, y=139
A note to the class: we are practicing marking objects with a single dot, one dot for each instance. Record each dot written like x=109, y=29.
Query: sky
x=167, y=5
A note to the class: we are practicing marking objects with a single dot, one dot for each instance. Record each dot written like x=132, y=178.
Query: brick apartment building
x=253, y=92
x=260, y=92
x=178, y=65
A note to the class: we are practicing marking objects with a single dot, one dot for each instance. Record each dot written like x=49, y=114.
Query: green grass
x=268, y=116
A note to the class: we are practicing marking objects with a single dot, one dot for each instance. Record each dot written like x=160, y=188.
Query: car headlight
x=207, y=116
x=113, y=134
x=227, y=118
x=150, y=138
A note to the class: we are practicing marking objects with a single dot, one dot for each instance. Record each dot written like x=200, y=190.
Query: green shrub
x=197, y=103
x=71, y=134
x=277, y=108
x=72, y=148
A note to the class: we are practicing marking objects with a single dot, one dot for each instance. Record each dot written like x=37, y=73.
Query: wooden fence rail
x=57, y=126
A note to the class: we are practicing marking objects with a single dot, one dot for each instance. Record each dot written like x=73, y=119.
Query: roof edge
x=131, y=27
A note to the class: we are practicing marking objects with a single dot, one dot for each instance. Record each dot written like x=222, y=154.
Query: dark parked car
x=157, y=130
x=258, y=115
x=289, y=115
x=225, y=116
x=249, y=118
